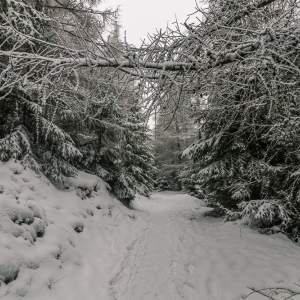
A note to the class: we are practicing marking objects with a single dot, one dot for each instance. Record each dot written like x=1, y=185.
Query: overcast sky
x=138, y=17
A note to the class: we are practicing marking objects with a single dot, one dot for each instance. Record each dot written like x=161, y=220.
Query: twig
x=278, y=290
x=49, y=285
x=66, y=231
x=118, y=214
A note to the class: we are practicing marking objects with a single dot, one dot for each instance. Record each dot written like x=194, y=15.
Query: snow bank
x=59, y=242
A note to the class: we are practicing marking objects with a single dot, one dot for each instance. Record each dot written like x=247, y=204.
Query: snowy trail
x=182, y=255
x=149, y=271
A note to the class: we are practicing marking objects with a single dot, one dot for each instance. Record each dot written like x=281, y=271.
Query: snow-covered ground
x=81, y=243
x=183, y=255
x=58, y=243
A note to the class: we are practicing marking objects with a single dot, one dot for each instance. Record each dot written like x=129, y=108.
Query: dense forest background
x=223, y=93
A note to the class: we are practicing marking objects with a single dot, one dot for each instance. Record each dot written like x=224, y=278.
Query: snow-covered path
x=149, y=271
x=182, y=255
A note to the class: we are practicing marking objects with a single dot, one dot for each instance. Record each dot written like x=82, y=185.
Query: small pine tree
x=136, y=157
x=119, y=149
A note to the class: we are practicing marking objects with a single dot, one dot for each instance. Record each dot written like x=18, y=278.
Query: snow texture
x=55, y=244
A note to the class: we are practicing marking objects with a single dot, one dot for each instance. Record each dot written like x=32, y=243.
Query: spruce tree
x=120, y=151
x=136, y=156
x=31, y=108
x=247, y=156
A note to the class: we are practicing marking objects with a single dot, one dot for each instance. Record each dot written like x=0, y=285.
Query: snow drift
x=58, y=242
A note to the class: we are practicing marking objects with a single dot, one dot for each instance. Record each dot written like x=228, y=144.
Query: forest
x=221, y=95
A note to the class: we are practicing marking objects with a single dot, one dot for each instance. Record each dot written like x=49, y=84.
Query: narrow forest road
x=182, y=255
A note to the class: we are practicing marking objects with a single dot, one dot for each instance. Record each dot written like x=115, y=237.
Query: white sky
x=139, y=17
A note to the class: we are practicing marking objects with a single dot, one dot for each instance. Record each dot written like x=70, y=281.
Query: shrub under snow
x=50, y=232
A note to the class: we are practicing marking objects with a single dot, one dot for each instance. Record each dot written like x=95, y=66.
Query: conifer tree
x=247, y=156
x=31, y=108
x=118, y=149
x=136, y=160
x=69, y=118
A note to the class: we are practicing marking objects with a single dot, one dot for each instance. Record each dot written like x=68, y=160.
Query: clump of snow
x=85, y=184
x=19, y=219
x=90, y=211
x=87, y=181
x=38, y=211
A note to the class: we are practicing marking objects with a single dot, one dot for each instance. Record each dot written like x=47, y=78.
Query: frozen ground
x=81, y=243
